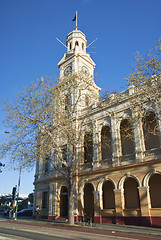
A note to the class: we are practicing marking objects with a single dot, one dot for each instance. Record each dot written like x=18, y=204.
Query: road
x=11, y=230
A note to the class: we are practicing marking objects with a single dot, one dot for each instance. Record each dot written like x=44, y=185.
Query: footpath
x=124, y=230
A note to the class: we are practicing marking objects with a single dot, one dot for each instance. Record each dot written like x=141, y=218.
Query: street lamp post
x=18, y=189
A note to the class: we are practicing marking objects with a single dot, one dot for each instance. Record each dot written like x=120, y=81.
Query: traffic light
x=13, y=193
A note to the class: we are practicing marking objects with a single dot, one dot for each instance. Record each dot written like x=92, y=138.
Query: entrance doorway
x=64, y=202
x=88, y=199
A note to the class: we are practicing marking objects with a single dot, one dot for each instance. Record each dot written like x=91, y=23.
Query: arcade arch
x=131, y=193
x=108, y=195
x=155, y=190
x=88, y=199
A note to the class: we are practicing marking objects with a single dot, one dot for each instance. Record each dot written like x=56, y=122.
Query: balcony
x=127, y=159
x=152, y=153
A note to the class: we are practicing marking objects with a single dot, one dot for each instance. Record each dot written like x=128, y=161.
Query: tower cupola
x=76, y=42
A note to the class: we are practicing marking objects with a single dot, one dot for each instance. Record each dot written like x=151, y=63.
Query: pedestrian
x=37, y=210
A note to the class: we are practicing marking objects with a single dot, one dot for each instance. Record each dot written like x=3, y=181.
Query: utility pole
x=13, y=200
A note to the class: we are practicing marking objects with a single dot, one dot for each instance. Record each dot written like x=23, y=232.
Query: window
x=82, y=46
x=46, y=165
x=150, y=129
x=88, y=148
x=67, y=102
x=127, y=137
x=44, y=200
x=64, y=155
x=87, y=100
x=106, y=142
x=76, y=43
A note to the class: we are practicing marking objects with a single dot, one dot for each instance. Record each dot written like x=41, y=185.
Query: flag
x=74, y=19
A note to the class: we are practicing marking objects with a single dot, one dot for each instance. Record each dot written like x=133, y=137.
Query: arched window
x=150, y=129
x=88, y=148
x=87, y=100
x=108, y=195
x=131, y=193
x=70, y=46
x=127, y=137
x=106, y=148
x=82, y=46
x=67, y=102
x=76, y=43
x=155, y=190
x=46, y=164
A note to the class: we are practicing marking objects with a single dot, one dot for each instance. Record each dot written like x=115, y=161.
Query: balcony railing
x=128, y=158
x=155, y=152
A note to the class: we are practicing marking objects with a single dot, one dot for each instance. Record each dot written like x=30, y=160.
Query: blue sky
x=29, y=49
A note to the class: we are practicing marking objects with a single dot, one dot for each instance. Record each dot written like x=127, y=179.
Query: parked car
x=24, y=212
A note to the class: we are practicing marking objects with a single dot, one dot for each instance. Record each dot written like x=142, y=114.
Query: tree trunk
x=71, y=203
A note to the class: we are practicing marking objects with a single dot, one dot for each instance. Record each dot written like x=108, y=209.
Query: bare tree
x=144, y=84
x=46, y=122
x=146, y=76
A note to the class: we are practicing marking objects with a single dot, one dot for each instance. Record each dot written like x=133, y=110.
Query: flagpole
x=76, y=27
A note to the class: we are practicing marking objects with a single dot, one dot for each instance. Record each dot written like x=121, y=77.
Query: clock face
x=68, y=70
x=85, y=70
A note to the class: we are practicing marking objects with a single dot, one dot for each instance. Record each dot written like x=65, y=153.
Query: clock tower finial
x=75, y=19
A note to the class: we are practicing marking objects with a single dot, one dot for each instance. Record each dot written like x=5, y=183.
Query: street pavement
x=43, y=229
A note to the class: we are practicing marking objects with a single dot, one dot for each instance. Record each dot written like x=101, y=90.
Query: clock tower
x=77, y=60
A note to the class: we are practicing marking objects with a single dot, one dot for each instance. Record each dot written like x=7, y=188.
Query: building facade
x=119, y=177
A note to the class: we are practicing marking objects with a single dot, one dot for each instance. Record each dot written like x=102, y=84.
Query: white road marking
x=70, y=234
x=13, y=237
x=6, y=238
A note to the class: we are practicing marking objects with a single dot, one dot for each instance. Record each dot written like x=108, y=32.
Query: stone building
x=120, y=180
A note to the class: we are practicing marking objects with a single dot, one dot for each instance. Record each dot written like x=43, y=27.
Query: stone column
x=76, y=199
x=119, y=205
x=35, y=200
x=55, y=200
x=50, y=211
x=95, y=146
x=144, y=205
x=158, y=110
x=97, y=210
x=52, y=201
x=138, y=136
x=99, y=154
x=80, y=208
x=115, y=139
